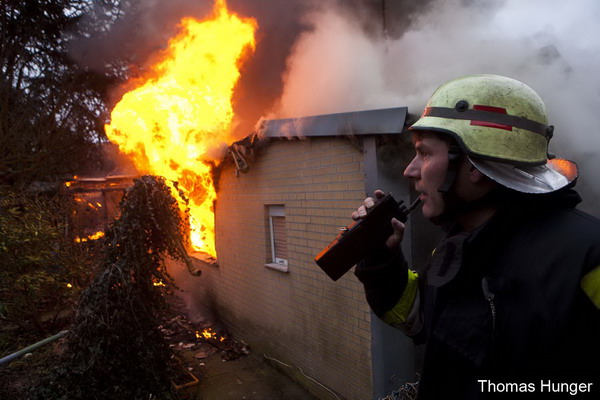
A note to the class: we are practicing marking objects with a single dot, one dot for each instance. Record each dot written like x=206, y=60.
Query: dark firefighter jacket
x=504, y=303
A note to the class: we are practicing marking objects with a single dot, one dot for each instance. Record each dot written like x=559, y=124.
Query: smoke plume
x=144, y=27
x=550, y=45
x=316, y=57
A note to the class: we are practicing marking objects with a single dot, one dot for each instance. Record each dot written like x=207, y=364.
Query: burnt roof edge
x=369, y=122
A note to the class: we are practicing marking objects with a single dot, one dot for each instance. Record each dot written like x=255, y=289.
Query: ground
x=249, y=378
x=226, y=369
x=213, y=365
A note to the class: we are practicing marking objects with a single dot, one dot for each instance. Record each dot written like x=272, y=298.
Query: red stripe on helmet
x=491, y=125
x=498, y=110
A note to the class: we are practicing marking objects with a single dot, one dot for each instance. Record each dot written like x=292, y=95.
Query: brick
x=320, y=182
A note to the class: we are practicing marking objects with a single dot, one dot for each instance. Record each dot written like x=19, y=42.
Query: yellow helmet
x=493, y=117
x=501, y=124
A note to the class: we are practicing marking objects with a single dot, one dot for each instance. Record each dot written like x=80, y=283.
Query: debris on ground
x=192, y=342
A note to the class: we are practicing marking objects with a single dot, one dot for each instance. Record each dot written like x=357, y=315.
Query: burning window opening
x=179, y=116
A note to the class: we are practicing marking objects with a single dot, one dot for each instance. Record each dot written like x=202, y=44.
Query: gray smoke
x=132, y=31
x=145, y=26
x=315, y=57
x=551, y=45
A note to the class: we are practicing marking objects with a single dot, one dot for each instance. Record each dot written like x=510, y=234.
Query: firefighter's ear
x=476, y=176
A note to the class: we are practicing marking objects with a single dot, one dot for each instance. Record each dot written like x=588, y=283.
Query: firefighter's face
x=428, y=171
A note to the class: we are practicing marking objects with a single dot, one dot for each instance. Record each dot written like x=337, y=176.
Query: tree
x=52, y=110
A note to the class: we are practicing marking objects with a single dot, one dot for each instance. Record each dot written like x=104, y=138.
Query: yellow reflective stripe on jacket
x=591, y=285
x=399, y=313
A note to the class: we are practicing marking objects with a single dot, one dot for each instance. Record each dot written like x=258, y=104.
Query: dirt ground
x=249, y=378
x=225, y=369
x=213, y=365
x=228, y=370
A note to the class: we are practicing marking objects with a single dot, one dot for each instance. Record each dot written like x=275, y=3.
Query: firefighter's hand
x=393, y=242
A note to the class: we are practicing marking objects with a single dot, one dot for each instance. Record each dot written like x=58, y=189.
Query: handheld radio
x=354, y=241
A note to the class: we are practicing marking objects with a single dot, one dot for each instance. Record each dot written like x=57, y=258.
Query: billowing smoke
x=145, y=26
x=316, y=57
x=132, y=31
x=551, y=45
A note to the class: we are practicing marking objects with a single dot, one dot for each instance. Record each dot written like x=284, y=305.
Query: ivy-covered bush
x=114, y=349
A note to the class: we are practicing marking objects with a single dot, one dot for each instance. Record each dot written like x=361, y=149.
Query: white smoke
x=551, y=45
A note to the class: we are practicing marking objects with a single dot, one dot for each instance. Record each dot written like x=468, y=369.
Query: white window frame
x=280, y=264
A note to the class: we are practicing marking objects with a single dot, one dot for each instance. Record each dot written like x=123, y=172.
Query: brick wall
x=300, y=317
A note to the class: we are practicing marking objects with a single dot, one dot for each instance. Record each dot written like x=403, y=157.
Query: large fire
x=181, y=112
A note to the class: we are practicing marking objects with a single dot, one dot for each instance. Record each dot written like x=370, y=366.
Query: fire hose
x=34, y=346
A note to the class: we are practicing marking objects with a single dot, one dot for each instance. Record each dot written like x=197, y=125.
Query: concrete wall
x=300, y=317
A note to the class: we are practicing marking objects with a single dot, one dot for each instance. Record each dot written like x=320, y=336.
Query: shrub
x=42, y=268
x=114, y=349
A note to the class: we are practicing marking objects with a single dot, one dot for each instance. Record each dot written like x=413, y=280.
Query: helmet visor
x=550, y=177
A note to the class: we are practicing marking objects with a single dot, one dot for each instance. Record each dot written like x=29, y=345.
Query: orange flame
x=565, y=167
x=94, y=236
x=174, y=122
x=209, y=334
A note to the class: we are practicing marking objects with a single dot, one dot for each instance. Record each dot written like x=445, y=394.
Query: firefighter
x=509, y=301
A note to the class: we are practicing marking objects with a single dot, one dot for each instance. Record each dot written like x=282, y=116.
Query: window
x=278, y=238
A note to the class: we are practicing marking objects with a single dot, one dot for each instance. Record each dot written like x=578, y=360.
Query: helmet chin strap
x=453, y=204
x=454, y=157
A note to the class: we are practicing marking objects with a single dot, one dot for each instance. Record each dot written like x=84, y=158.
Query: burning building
x=261, y=214
x=282, y=194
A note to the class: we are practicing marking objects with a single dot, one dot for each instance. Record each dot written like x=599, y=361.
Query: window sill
x=203, y=258
x=278, y=267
